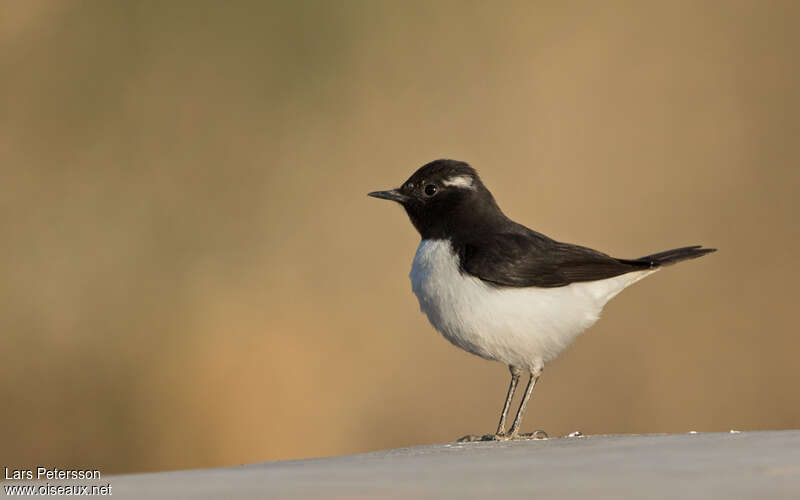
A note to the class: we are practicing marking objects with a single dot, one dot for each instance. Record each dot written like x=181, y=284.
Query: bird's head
x=444, y=197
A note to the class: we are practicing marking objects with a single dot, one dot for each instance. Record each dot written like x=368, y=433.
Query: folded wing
x=525, y=258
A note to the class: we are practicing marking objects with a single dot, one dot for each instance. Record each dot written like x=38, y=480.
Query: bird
x=499, y=290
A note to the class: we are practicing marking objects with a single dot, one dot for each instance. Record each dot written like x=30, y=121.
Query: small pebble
x=576, y=434
x=692, y=432
x=734, y=431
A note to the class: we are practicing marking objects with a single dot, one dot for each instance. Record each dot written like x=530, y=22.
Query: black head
x=445, y=198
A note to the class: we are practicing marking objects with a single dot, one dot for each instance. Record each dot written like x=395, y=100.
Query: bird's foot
x=518, y=437
x=471, y=438
x=540, y=434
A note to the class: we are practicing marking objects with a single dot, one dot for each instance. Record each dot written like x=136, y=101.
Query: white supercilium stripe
x=463, y=181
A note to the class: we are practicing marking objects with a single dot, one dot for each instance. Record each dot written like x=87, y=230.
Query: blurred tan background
x=193, y=275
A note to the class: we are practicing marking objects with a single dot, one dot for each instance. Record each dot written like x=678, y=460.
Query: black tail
x=671, y=256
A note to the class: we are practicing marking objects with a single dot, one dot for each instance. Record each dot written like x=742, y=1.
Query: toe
x=469, y=438
x=540, y=434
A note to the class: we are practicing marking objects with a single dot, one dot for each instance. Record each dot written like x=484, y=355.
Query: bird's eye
x=431, y=190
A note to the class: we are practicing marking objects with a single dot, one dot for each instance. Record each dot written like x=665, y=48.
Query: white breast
x=524, y=327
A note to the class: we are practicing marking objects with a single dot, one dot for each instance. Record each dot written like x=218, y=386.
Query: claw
x=471, y=438
x=540, y=434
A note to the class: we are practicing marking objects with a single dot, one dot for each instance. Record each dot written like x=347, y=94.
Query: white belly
x=524, y=327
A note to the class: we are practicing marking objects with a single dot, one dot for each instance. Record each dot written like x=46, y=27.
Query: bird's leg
x=501, y=429
x=515, y=373
x=535, y=374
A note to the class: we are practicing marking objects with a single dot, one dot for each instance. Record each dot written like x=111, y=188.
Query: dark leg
x=501, y=429
x=501, y=435
x=514, y=432
x=515, y=373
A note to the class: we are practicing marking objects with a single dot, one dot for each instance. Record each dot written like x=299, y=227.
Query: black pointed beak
x=392, y=194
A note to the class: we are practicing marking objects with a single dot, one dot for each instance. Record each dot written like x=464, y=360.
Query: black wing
x=523, y=258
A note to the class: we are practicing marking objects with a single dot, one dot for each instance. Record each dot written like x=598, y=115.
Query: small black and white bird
x=502, y=291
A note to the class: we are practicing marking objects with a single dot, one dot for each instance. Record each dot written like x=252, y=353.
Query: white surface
x=763, y=465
